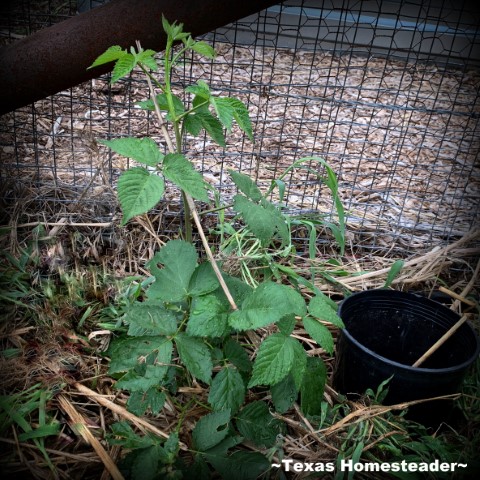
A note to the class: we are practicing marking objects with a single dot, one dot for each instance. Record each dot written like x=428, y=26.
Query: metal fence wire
x=387, y=92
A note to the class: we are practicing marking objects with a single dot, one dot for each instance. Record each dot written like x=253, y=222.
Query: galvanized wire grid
x=388, y=95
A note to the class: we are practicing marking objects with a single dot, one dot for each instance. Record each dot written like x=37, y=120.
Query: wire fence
x=386, y=92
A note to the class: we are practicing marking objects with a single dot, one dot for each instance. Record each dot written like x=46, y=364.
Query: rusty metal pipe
x=56, y=58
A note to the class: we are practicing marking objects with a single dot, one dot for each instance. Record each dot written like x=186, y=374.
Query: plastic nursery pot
x=385, y=332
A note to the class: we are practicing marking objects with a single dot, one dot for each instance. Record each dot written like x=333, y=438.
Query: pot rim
x=403, y=366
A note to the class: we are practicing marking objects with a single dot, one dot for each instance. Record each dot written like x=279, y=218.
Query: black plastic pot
x=386, y=332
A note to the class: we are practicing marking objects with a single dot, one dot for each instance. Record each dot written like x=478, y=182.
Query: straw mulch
x=68, y=359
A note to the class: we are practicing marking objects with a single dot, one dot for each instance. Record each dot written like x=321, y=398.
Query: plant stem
x=188, y=202
x=208, y=250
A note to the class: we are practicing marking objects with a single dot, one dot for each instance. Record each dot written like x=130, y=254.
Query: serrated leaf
x=300, y=363
x=246, y=185
x=212, y=126
x=110, y=55
x=203, y=280
x=181, y=172
x=320, y=307
x=284, y=393
x=146, y=58
x=139, y=402
x=195, y=355
x=240, y=113
x=257, y=218
x=208, y=317
x=241, y=465
x=319, y=333
x=224, y=111
x=257, y=424
x=268, y=303
x=311, y=392
x=150, y=319
x=264, y=219
x=210, y=430
x=228, y=108
x=138, y=192
x=123, y=434
x=239, y=289
x=235, y=354
x=145, y=463
x=143, y=150
x=200, y=89
x=128, y=353
x=163, y=104
x=192, y=124
x=123, y=66
x=149, y=376
x=275, y=358
x=278, y=219
x=179, y=260
x=286, y=324
x=227, y=390
x=204, y=49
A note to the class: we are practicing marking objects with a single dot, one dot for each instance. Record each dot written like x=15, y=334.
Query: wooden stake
x=440, y=341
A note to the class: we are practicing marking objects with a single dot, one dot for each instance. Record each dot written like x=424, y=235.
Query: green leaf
x=320, y=333
x=145, y=463
x=204, y=49
x=393, y=272
x=40, y=432
x=224, y=111
x=162, y=102
x=192, y=124
x=257, y=218
x=227, y=390
x=110, y=55
x=138, y=192
x=239, y=290
x=146, y=58
x=257, y=424
x=150, y=319
x=320, y=307
x=145, y=359
x=200, y=89
x=246, y=185
x=212, y=126
x=172, y=282
x=268, y=303
x=284, y=393
x=143, y=150
x=123, y=434
x=127, y=353
x=123, y=66
x=208, y=317
x=241, y=465
x=300, y=363
x=149, y=376
x=264, y=220
x=139, y=402
x=235, y=354
x=287, y=323
x=181, y=172
x=311, y=392
x=228, y=108
x=210, y=430
x=275, y=358
x=203, y=280
x=195, y=355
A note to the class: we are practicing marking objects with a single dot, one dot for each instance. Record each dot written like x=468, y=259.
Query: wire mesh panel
x=386, y=92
